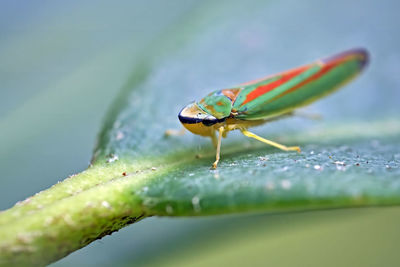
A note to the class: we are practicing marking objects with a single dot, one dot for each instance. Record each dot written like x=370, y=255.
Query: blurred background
x=61, y=64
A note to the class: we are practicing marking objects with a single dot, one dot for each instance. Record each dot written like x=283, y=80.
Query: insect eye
x=209, y=121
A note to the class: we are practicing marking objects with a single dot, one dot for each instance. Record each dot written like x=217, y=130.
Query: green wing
x=282, y=93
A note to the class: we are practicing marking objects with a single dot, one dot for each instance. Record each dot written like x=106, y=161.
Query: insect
x=270, y=98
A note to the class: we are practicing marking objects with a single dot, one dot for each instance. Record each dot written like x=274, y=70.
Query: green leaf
x=137, y=172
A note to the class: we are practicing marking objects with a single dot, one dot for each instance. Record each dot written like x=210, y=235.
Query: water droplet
x=112, y=158
x=191, y=174
x=339, y=163
x=311, y=152
x=307, y=165
x=318, y=167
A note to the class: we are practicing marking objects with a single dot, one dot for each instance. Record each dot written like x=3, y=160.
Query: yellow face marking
x=199, y=128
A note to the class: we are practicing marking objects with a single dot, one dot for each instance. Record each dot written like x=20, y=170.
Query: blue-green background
x=61, y=64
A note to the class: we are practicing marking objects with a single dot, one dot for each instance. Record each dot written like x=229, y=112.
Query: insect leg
x=220, y=132
x=214, y=139
x=271, y=143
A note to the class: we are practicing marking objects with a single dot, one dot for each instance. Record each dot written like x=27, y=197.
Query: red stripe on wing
x=327, y=67
x=262, y=89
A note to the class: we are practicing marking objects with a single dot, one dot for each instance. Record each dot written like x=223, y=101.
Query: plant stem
x=62, y=225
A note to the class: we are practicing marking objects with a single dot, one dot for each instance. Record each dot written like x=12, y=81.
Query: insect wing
x=283, y=92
